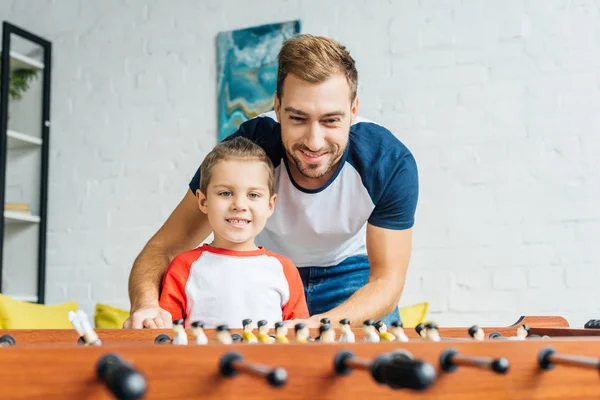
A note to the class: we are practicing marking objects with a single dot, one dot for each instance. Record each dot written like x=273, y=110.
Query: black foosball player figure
x=7, y=340
x=384, y=335
x=397, y=329
x=326, y=334
x=432, y=333
x=302, y=333
x=180, y=333
x=281, y=332
x=346, y=336
x=198, y=332
x=248, y=335
x=263, y=332
x=420, y=329
x=477, y=333
x=371, y=335
x=223, y=335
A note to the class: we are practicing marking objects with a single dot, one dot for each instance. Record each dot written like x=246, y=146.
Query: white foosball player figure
x=384, y=335
x=522, y=332
x=477, y=333
x=81, y=323
x=397, y=329
x=247, y=335
x=224, y=335
x=432, y=333
x=326, y=334
x=371, y=335
x=347, y=336
x=198, y=332
x=302, y=333
x=180, y=334
x=281, y=332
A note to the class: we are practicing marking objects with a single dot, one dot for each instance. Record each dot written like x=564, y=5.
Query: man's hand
x=151, y=317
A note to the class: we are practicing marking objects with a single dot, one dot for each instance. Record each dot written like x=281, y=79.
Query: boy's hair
x=314, y=59
x=238, y=148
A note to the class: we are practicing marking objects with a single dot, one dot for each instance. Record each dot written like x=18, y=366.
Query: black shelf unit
x=8, y=30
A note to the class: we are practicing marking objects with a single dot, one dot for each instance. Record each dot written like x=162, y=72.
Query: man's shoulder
x=369, y=138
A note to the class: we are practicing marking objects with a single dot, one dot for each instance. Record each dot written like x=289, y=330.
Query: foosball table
x=553, y=362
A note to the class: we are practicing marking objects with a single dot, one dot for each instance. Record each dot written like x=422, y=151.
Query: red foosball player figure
x=248, y=336
x=477, y=333
x=281, y=333
x=302, y=333
x=397, y=330
x=223, y=335
x=326, y=334
x=384, y=335
x=347, y=336
x=180, y=333
x=371, y=335
x=263, y=332
x=198, y=332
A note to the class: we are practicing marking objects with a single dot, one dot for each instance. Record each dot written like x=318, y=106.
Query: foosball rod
x=548, y=358
x=232, y=363
x=451, y=359
x=397, y=369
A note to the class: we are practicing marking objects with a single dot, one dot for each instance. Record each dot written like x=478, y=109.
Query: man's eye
x=297, y=118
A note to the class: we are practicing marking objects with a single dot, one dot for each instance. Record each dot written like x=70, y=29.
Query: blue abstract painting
x=247, y=72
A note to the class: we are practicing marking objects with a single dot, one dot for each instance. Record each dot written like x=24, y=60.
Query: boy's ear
x=201, y=201
x=272, y=204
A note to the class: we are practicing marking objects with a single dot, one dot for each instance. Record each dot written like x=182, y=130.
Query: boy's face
x=315, y=123
x=237, y=203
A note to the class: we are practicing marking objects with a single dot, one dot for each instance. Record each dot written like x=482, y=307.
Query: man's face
x=315, y=123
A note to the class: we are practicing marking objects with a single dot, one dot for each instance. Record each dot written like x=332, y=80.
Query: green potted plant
x=19, y=82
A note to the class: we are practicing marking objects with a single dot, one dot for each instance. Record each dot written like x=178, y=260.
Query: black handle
x=121, y=378
x=399, y=370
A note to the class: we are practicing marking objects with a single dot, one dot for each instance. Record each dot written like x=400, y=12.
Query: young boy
x=232, y=279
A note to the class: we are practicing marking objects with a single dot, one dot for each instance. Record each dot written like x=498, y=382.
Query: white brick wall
x=499, y=102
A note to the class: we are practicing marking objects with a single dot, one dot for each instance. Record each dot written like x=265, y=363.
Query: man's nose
x=314, y=139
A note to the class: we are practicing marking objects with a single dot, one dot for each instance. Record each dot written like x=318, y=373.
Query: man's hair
x=238, y=148
x=314, y=59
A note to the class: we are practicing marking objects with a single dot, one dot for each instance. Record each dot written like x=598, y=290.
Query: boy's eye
x=225, y=193
x=254, y=195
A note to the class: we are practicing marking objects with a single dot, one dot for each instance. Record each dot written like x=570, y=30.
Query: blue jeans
x=328, y=287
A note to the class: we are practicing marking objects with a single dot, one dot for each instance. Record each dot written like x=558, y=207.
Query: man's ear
x=354, y=110
x=277, y=107
x=201, y=197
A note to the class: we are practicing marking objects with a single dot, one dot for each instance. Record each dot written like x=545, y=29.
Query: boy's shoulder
x=285, y=262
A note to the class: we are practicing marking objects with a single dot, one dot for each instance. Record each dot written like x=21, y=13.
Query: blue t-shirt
x=376, y=182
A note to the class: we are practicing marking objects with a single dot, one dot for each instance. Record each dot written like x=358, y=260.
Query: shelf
x=33, y=299
x=18, y=140
x=16, y=216
x=18, y=61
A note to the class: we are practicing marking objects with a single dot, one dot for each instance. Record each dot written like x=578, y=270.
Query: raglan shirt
x=219, y=286
x=376, y=182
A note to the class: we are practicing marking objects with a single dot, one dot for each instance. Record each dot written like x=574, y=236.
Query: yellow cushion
x=413, y=315
x=17, y=314
x=109, y=317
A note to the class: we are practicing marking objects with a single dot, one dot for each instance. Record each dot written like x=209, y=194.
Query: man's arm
x=185, y=228
x=389, y=254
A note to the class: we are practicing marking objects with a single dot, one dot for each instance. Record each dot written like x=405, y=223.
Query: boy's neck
x=221, y=243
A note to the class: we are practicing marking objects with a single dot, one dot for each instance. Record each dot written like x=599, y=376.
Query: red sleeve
x=296, y=307
x=172, y=296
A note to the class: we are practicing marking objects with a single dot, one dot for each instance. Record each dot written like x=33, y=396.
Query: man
x=347, y=195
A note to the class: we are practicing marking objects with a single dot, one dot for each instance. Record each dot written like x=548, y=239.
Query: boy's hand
x=150, y=317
